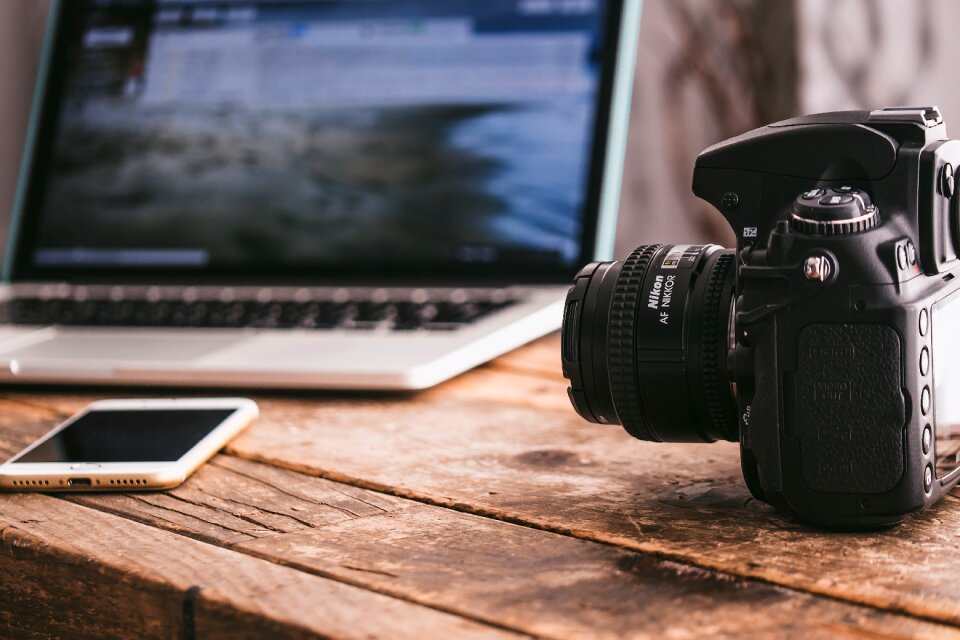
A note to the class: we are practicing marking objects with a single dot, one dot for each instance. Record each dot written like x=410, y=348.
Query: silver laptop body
x=313, y=194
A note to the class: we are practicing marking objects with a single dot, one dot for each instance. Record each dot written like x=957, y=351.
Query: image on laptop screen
x=321, y=133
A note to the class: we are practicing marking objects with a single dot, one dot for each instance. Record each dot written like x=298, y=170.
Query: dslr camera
x=825, y=343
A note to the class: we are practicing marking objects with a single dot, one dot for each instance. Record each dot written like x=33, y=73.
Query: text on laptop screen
x=222, y=135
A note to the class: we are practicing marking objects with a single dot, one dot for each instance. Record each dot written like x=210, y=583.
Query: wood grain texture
x=517, y=452
x=559, y=587
x=540, y=358
x=502, y=442
x=484, y=569
x=231, y=500
x=512, y=448
x=72, y=572
x=546, y=468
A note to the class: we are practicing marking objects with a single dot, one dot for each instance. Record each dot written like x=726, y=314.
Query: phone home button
x=84, y=466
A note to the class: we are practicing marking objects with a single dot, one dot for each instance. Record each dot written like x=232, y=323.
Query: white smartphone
x=128, y=445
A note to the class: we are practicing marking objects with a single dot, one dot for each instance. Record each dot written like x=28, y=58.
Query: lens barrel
x=645, y=343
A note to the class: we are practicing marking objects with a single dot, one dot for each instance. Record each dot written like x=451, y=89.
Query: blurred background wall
x=707, y=70
x=21, y=31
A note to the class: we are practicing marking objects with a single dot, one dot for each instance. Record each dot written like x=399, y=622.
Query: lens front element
x=645, y=343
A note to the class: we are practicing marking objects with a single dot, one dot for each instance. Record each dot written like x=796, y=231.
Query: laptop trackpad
x=83, y=346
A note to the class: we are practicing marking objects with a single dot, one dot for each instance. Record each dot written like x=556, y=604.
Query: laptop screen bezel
x=26, y=227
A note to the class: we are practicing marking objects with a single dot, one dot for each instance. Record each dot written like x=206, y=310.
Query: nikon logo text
x=661, y=294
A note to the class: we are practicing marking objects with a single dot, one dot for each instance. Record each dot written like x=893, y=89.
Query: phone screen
x=129, y=435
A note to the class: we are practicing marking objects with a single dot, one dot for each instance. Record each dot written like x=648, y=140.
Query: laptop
x=313, y=194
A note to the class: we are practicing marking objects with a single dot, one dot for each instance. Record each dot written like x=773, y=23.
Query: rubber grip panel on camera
x=623, y=343
x=850, y=412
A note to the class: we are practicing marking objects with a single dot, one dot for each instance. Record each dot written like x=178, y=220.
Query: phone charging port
x=79, y=482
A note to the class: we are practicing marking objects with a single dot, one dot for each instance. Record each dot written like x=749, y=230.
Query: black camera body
x=827, y=343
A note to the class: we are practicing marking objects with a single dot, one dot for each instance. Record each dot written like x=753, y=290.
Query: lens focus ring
x=715, y=332
x=622, y=342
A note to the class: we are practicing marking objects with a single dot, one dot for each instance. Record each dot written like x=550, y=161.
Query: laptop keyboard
x=358, y=315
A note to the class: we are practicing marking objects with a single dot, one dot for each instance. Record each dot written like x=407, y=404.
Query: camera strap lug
x=800, y=285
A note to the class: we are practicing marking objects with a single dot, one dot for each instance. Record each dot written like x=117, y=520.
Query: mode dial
x=832, y=211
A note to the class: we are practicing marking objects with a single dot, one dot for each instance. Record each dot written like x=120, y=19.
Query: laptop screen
x=311, y=137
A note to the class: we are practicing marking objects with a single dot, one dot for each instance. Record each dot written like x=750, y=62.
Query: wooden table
x=483, y=508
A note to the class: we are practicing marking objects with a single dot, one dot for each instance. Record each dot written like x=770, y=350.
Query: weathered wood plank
x=546, y=468
x=554, y=586
x=530, y=580
x=503, y=388
x=505, y=444
x=70, y=571
x=527, y=579
x=232, y=500
x=540, y=358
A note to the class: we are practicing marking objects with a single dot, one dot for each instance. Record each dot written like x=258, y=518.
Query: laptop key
x=310, y=315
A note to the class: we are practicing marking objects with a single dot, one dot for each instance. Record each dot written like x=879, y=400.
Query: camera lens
x=645, y=343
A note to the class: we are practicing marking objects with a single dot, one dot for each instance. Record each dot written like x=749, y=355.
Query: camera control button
x=830, y=212
x=947, y=180
x=818, y=268
x=924, y=322
x=925, y=401
x=927, y=440
x=924, y=361
x=836, y=200
x=928, y=478
x=730, y=200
